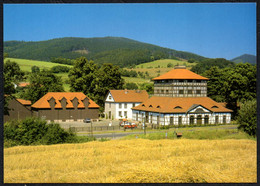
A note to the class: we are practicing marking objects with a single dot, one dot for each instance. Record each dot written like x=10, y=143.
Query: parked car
x=87, y=120
x=129, y=125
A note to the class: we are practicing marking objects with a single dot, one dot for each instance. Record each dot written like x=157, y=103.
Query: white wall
x=164, y=119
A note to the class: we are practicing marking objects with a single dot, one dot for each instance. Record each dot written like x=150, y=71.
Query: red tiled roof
x=24, y=102
x=180, y=74
x=43, y=102
x=179, y=105
x=23, y=84
x=129, y=95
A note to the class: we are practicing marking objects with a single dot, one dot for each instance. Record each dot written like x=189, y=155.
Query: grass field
x=137, y=80
x=163, y=63
x=26, y=64
x=134, y=161
x=155, y=71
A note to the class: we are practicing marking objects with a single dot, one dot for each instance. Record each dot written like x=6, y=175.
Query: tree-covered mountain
x=245, y=58
x=116, y=50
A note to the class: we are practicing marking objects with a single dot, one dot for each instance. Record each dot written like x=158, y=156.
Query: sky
x=214, y=30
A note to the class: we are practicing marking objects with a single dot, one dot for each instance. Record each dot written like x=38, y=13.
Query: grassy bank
x=196, y=134
x=134, y=161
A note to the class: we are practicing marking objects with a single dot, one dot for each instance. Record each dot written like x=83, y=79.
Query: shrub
x=247, y=117
x=35, y=131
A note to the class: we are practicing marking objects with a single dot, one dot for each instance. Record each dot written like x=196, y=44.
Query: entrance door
x=206, y=119
x=216, y=119
x=199, y=119
x=171, y=120
x=146, y=117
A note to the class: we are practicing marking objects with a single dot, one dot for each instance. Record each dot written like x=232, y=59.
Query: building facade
x=65, y=106
x=180, y=98
x=18, y=109
x=119, y=103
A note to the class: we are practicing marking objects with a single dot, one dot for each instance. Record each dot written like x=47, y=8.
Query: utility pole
x=91, y=129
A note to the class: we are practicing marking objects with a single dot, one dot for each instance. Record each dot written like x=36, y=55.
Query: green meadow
x=162, y=63
x=26, y=64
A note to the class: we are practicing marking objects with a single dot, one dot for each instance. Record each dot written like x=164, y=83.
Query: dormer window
x=150, y=106
x=143, y=105
x=158, y=106
x=177, y=107
x=214, y=106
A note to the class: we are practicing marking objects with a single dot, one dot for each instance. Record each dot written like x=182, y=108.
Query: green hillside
x=26, y=64
x=162, y=63
x=245, y=58
x=115, y=50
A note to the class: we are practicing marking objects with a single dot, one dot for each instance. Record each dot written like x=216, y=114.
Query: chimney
x=137, y=91
x=126, y=91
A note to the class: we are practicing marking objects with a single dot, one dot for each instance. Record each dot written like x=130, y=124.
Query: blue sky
x=213, y=30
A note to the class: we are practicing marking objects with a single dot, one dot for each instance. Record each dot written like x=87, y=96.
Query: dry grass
x=136, y=161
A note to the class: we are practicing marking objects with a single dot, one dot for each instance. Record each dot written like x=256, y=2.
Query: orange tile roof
x=24, y=102
x=129, y=95
x=23, y=84
x=180, y=74
x=43, y=102
x=179, y=105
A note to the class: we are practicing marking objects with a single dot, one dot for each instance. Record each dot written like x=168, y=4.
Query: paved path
x=118, y=135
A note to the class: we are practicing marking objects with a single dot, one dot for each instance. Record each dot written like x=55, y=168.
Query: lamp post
x=144, y=125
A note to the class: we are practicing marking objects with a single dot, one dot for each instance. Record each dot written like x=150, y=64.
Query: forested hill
x=245, y=58
x=116, y=50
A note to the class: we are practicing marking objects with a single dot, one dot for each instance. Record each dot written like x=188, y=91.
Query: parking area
x=101, y=122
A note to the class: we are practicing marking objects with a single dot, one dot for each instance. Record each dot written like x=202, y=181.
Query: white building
x=180, y=99
x=119, y=103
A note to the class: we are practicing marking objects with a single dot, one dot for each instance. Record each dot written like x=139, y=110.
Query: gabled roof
x=180, y=74
x=179, y=105
x=43, y=102
x=129, y=95
x=24, y=102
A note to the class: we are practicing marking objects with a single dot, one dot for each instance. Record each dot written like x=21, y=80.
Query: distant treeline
x=62, y=60
x=206, y=64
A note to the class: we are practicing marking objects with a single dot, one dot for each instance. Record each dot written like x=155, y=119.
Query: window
x=224, y=119
x=180, y=91
x=167, y=91
x=120, y=113
x=133, y=104
x=158, y=106
x=120, y=105
x=177, y=107
x=162, y=91
x=109, y=97
x=125, y=113
x=158, y=91
x=125, y=105
x=150, y=106
x=214, y=106
x=189, y=91
x=198, y=91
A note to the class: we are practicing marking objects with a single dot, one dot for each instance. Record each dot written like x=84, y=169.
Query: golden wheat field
x=133, y=161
